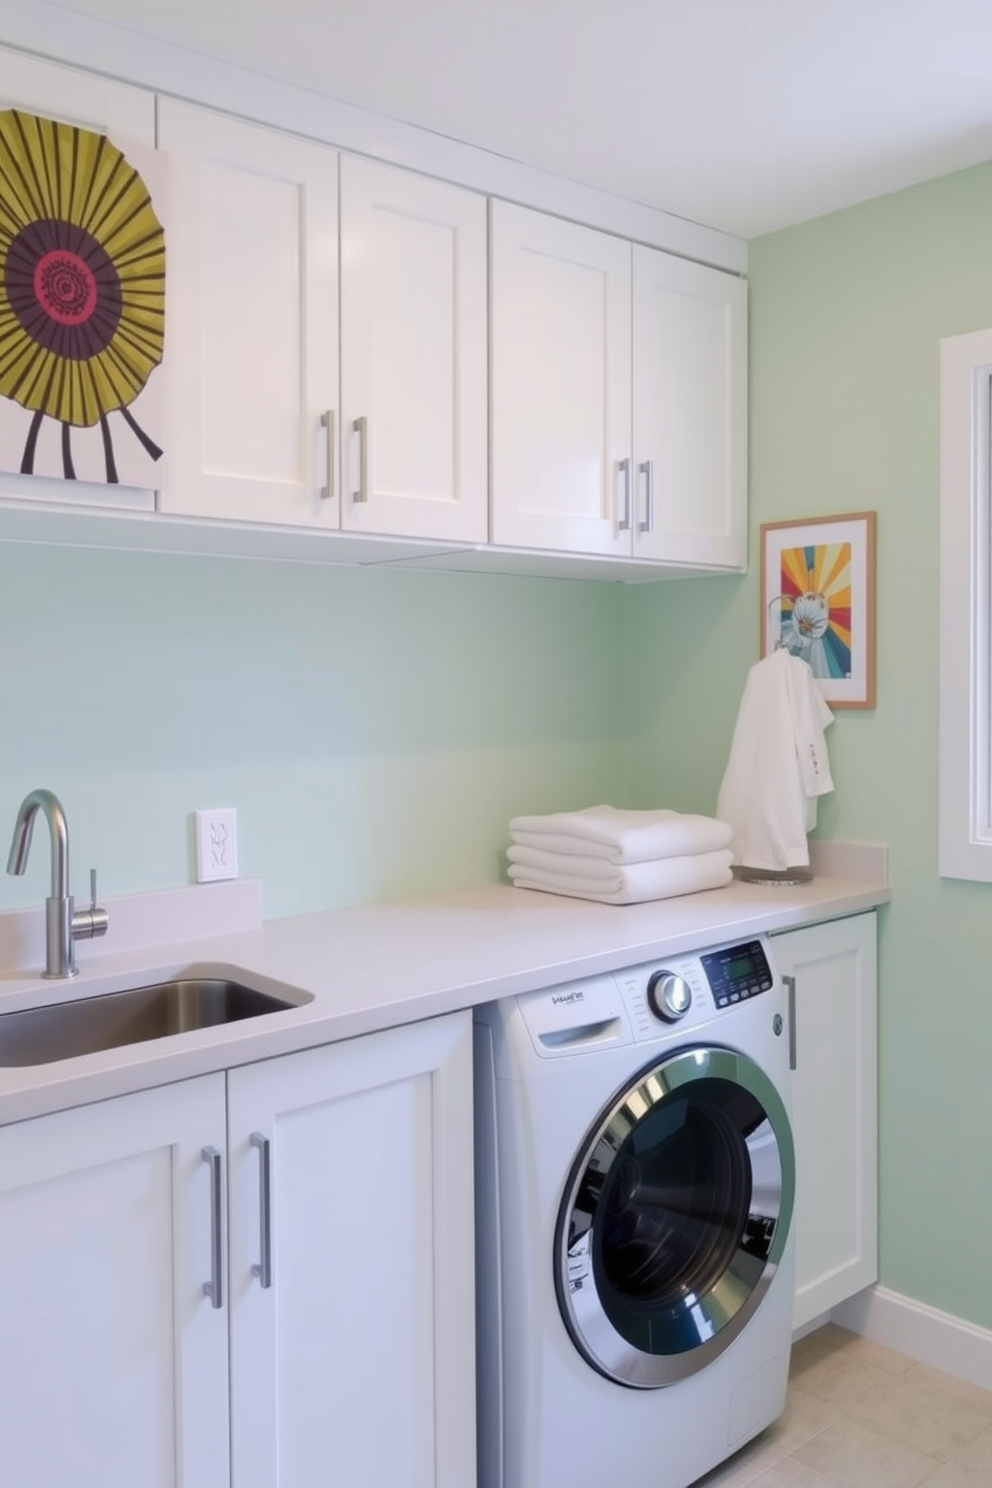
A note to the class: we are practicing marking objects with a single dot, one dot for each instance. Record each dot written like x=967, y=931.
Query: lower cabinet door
x=834, y=1109
x=351, y=1241
x=113, y=1358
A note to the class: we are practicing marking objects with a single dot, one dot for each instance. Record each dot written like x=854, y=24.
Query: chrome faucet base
x=60, y=951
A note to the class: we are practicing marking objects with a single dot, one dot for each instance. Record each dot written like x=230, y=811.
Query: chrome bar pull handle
x=263, y=1270
x=214, y=1287
x=647, y=470
x=327, y=422
x=790, y=984
x=623, y=525
x=361, y=428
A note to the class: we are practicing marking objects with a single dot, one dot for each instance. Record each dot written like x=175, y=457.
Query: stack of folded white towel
x=619, y=857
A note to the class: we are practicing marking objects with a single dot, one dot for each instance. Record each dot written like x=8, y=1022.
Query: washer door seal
x=675, y=1217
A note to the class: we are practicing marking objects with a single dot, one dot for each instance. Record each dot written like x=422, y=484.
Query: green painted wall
x=846, y=315
x=374, y=729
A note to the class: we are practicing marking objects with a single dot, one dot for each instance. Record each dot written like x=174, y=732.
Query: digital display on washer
x=737, y=972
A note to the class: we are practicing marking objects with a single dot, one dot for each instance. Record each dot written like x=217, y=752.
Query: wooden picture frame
x=818, y=600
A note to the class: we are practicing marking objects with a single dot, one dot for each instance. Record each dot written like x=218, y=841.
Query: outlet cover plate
x=216, y=844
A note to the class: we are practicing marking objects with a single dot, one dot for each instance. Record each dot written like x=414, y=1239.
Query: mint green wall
x=374, y=729
x=846, y=313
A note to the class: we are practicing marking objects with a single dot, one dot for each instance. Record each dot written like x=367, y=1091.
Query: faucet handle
x=89, y=924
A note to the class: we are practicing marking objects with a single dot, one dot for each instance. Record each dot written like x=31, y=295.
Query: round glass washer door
x=675, y=1217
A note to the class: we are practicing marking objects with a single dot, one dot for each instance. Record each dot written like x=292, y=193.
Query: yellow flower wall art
x=82, y=305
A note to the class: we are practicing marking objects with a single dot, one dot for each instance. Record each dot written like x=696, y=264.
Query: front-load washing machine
x=635, y=1182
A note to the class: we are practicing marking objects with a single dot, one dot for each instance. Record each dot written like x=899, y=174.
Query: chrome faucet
x=63, y=925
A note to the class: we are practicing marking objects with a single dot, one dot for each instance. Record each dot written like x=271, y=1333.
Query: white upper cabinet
x=353, y=347
x=618, y=397
x=252, y=338
x=413, y=355
x=560, y=360
x=690, y=412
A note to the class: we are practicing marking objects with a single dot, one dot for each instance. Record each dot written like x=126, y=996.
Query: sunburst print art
x=82, y=304
x=818, y=601
x=815, y=612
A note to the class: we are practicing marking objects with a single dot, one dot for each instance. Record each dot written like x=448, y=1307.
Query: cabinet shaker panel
x=690, y=412
x=252, y=340
x=413, y=355
x=560, y=384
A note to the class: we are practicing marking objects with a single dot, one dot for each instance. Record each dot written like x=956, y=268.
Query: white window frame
x=965, y=692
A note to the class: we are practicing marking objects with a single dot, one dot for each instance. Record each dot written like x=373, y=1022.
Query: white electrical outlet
x=216, y=844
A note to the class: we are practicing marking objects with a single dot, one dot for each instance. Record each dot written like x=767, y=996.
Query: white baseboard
x=935, y=1338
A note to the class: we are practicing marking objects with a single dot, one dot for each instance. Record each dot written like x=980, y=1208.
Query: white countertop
x=376, y=966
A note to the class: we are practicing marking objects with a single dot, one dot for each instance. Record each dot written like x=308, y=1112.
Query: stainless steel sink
x=88, y=1024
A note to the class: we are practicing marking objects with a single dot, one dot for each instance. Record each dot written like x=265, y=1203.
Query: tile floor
x=861, y=1416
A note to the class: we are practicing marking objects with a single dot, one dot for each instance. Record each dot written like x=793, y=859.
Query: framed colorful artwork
x=818, y=601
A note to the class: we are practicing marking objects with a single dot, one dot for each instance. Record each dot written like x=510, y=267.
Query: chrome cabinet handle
x=361, y=428
x=327, y=422
x=624, y=524
x=214, y=1287
x=263, y=1270
x=647, y=470
x=790, y=983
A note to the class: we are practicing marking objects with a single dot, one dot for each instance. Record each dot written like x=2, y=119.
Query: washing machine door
x=675, y=1217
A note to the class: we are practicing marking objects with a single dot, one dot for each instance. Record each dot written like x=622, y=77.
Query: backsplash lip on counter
x=157, y=917
x=856, y=860
x=377, y=966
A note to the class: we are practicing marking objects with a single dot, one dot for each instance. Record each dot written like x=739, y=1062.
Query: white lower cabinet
x=834, y=1109
x=355, y=1366
x=113, y=1363
x=341, y=1348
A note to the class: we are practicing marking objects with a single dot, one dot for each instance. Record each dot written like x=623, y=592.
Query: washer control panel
x=737, y=972
x=644, y=1002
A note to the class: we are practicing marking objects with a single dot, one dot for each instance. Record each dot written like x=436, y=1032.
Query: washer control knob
x=669, y=995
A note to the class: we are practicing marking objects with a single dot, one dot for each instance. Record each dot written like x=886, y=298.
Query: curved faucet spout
x=50, y=806
x=64, y=924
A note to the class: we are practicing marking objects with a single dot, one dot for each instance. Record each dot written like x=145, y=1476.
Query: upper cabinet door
x=561, y=411
x=252, y=338
x=79, y=98
x=690, y=412
x=413, y=355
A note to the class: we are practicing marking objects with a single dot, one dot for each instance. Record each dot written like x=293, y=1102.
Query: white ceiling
x=745, y=115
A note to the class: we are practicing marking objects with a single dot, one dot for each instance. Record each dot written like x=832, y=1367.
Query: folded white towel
x=567, y=864
x=619, y=836
x=665, y=878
